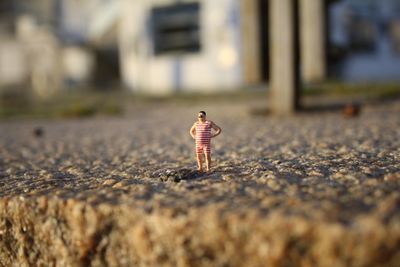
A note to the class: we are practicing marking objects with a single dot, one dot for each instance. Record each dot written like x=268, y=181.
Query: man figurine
x=201, y=132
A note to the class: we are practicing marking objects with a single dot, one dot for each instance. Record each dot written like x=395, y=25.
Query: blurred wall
x=30, y=57
x=364, y=40
x=169, y=46
x=12, y=63
x=163, y=46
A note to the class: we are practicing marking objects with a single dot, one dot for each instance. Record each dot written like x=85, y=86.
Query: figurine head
x=202, y=116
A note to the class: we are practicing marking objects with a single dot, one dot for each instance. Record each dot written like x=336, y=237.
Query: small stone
x=120, y=184
x=351, y=110
x=109, y=182
x=315, y=173
x=38, y=131
x=178, y=175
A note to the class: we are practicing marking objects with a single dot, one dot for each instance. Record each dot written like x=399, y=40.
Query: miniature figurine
x=201, y=132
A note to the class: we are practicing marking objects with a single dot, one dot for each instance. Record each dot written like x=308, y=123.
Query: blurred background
x=83, y=57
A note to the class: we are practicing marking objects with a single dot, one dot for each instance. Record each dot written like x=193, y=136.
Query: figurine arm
x=193, y=131
x=217, y=129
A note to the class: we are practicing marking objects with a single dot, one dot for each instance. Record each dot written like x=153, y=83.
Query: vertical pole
x=312, y=28
x=250, y=41
x=284, y=86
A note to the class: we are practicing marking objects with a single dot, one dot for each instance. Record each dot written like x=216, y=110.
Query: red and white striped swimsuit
x=203, y=137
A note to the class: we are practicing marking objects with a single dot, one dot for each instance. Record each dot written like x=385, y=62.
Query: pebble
x=109, y=182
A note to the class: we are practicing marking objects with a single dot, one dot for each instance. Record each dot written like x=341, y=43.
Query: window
x=175, y=28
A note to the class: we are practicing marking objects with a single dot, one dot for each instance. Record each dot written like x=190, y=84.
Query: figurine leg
x=199, y=162
x=208, y=161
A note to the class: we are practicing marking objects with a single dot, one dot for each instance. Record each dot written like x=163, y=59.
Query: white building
x=168, y=46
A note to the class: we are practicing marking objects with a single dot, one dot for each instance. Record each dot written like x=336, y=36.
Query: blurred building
x=168, y=45
x=171, y=46
x=89, y=31
x=364, y=40
x=29, y=50
x=47, y=45
x=163, y=46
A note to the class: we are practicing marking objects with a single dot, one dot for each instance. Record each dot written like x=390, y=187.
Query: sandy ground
x=316, y=166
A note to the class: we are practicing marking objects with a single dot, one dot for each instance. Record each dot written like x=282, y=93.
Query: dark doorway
x=335, y=53
x=107, y=71
x=263, y=9
x=297, y=58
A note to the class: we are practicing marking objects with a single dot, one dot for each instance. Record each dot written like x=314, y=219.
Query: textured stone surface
x=308, y=190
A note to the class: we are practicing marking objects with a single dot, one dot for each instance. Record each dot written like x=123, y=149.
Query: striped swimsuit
x=203, y=137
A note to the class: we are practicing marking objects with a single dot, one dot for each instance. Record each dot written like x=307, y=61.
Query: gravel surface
x=312, y=169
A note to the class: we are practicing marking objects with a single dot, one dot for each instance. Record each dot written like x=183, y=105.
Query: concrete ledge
x=57, y=232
